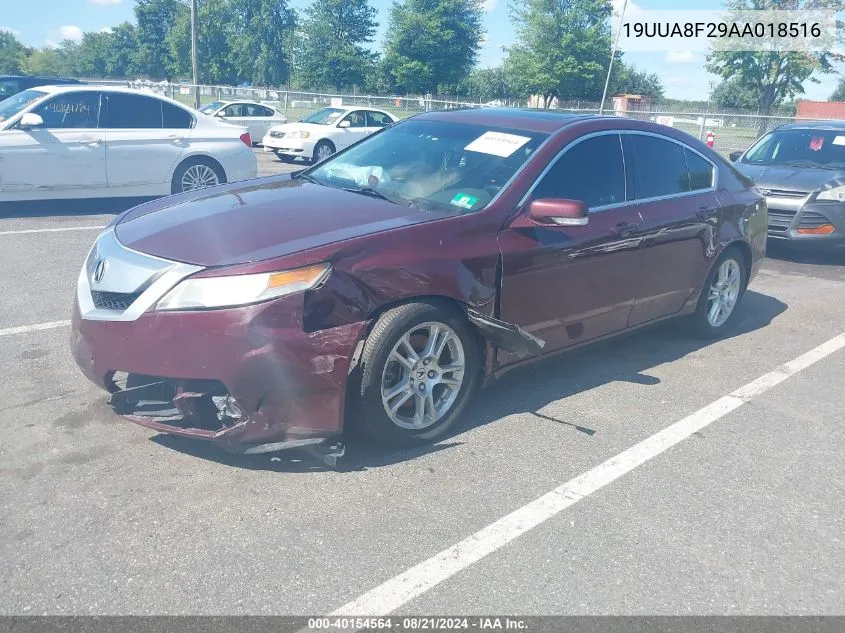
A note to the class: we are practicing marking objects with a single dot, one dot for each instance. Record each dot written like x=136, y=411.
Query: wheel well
x=203, y=159
x=745, y=251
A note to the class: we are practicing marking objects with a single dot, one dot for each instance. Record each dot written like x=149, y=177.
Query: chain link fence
x=730, y=131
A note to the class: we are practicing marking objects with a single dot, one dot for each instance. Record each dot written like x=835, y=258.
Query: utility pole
x=612, y=55
x=194, y=61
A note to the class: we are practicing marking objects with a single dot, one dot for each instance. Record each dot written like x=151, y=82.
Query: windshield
x=326, y=116
x=211, y=107
x=432, y=165
x=14, y=104
x=800, y=148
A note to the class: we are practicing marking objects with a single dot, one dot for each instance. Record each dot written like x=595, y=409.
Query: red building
x=821, y=110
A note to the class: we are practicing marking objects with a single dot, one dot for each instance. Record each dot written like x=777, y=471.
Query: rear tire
x=411, y=395
x=721, y=295
x=197, y=173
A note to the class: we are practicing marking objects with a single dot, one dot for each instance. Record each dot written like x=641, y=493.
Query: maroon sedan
x=382, y=286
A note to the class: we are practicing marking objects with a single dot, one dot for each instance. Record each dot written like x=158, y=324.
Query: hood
x=257, y=220
x=804, y=179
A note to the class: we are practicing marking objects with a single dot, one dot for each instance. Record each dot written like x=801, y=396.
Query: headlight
x=300, y=134
x=239, y=290
x=834, y=193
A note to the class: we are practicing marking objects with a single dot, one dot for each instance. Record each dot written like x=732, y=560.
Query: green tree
x=432, y=42
x=214, y=44
x=334, y=35
x=773, y=76
x=839, y=93
x=731, y=93
x=155, y=19
x=122, y=60
x=631, y=80
x=259, y=38
x=50, y=61
x=12, y=53
x=563, y=48
x=90, y=58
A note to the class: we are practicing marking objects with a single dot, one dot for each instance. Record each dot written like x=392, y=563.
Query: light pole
x=612, y=55
x=194, y=62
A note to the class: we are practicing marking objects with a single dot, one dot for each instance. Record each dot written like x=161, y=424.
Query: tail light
x=246, y=139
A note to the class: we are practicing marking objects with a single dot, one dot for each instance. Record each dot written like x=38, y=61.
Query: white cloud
x=490, y=5
x=105, y=3
x=70, y=32
x=14, y=32
x=680, y=57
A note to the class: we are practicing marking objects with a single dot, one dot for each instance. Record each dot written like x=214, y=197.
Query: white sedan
x=96, y=142
x=257, y=117
x=324, y=132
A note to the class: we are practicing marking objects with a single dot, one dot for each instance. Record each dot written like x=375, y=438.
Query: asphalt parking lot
x=735, y=508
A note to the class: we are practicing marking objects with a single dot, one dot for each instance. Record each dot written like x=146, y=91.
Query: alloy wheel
x=199, y=177
x=423, y=376
x=724, y=293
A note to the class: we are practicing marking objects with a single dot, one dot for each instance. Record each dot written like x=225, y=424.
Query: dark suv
x=800, y=168
x=13, y=84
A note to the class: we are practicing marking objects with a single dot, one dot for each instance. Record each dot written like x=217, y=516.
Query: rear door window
x=134, y=112
x=377, y=119
x=700, y=171
x=659, y=165
x=591, y=171
x=175, y=118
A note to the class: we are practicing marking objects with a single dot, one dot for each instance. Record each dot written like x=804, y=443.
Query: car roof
x=529, y=119
x=51, y=89
x=814, y=125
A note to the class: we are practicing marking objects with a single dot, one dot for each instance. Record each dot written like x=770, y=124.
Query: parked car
x=391, y=280
x=324, y=132
x=257, y=117
x=800, y=168
x=92, y=141
x=13, y=84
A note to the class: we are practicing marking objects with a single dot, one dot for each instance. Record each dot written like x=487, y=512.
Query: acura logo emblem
x=766, y=192
x=100, y=270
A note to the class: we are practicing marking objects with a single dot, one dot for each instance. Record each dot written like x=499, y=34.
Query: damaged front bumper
x=244, y=378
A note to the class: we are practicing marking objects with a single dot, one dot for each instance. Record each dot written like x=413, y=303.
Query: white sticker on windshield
x=839, y=140
x=497, y=143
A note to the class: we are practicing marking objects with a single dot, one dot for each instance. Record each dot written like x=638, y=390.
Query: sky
x=45, y=22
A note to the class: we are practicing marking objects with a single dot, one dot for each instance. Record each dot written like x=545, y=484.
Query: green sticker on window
x=464, y=201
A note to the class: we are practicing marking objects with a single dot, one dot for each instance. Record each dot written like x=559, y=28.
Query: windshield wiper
x=375, y=193
x=305, y=177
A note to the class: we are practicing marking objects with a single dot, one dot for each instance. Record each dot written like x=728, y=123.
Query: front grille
x=811, y=220
x=779, y=220
x=116, y=301
x=783, y=193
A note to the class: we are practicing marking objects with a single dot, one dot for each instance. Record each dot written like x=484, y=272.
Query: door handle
x=625, y=229
x=176, y=138
x=705, y=213
x=93, y=142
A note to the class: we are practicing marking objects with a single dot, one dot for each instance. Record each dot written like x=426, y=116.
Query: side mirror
x=344, y=123
x=734, y=156
x=558, y=212
x=30, y=120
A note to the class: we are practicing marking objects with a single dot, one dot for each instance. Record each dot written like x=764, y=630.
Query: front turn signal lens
x=824, y=229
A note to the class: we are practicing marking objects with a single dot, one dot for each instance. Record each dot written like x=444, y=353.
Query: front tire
x=419, y=369
x=195, y=174
x=323, y=150
x=721, y=295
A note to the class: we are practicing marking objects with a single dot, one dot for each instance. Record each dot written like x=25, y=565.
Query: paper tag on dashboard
x=497, y=144
x=839, y=140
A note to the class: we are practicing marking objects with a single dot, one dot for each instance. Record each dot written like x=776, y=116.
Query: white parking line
x=59, y=230
x=23, y=329
x=412, y=583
